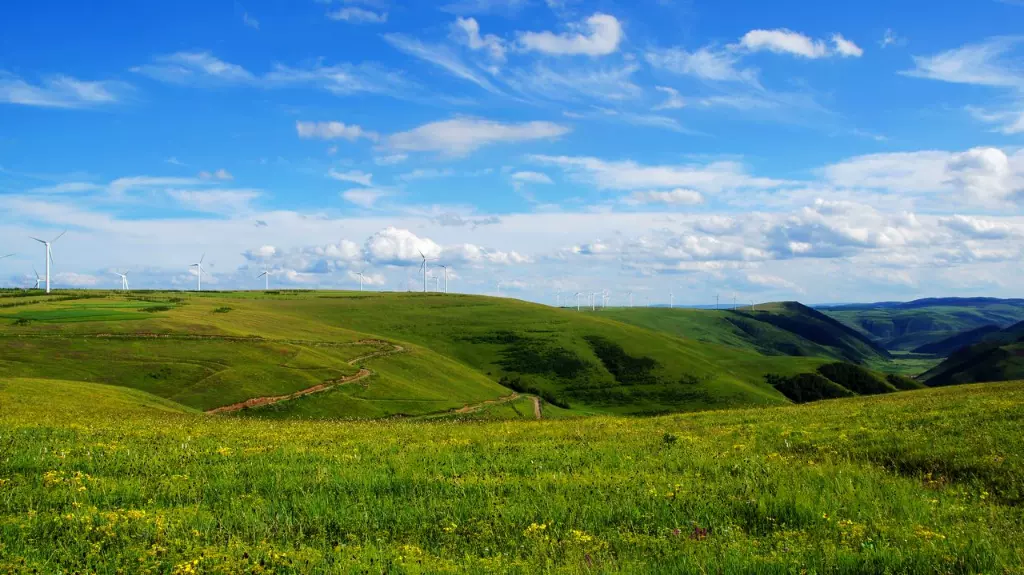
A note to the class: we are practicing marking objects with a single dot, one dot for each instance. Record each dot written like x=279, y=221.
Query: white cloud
x=1011, y=121
x=467, y=30
x=390, y=159
x=333, y=131
x=440, y=56
x=985, y=64
x=358, y=15
x=574, y=83
x=891, y=39
x=672, y=102
x=215, y=201
x=189, y=67
x=469, y=253
x=976, y=227
x=706, y=63
x=532, y=178
x=629, y=175
x=67, y=188
x=396, y=246
x=460, y=136
x=122, y=185
x=175, y=161
x=250, y=21
x=355, y=176
x=368, y=279
x=783, y=41
x=73, y=279
x=507, y=7
x=220, y=174
x=364, y=197
x=846, y=48
x=678, y=196
x=599, y=35
x=427, y=174
x=58, y=92
x=775, y=282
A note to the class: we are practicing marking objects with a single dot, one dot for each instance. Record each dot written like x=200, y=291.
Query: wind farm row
x=583, y=299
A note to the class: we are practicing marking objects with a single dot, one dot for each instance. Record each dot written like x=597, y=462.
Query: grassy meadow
x=102, y=479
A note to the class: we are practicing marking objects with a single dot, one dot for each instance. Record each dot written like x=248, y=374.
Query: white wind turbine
x=671, y=299
x=124, y=280
x=360, y=274
x=7, y=256
x=423, y=268
x=39, y=279
x=199, y=273
x=445, y=268
x=577, y=294
x=49, y=256
x=630, y=299
x=266, y=278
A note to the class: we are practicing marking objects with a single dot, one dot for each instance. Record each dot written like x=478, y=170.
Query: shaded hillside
x=948, y=346
x=787, y=328
x=910, y=325
x=998, y=357
x=839, y=379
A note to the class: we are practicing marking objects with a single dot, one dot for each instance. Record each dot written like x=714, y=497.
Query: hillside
x=999, y=356
x=350, y=354
x=948, y=346
x=909, y=325
x=786, y=328
x=99, y=479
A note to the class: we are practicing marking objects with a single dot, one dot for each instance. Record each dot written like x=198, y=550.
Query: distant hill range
x=997, y=356
x=936, y=326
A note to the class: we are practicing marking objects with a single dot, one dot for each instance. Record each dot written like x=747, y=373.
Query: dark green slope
x=948, y=346
x=909, y=325
x=998, y=357
x=787, y=328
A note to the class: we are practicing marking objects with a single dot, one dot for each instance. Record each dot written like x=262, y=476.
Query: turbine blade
x=60, y=236
x=38, y=240
x=7, y=256
x=202, y=258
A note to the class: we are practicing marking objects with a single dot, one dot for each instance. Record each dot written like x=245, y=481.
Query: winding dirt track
x=321, y=387
x=514, y=396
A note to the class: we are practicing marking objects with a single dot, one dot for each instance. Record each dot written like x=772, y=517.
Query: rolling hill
x=948, y=346
x=999, y=356
x=907, y=326
x=295, y=355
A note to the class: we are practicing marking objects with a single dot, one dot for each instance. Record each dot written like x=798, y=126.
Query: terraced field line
x=536, y=407
x=320, y=387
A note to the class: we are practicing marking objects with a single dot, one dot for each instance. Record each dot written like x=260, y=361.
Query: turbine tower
x=266, y=278
x=577, y=294
x=360, y=274
x=39, y=278
x=631, y=299
x=124, y=280
x=671, y=299
x=199, y=273
x=49, y=256
x=445, y=268
x=423, y=268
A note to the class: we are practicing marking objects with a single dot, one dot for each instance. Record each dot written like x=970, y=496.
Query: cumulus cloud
x=773, y=282
x=976, y=227
x=846, y=48
x=469, y=253
x=333, y=131
x=461, y=136
x=783, y=41
x=598, y=35
x=467, y=31
x=395, y=246
x=368, y=279
x=76, y=280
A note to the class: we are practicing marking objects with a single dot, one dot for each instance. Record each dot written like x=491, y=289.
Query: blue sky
x=802, y=150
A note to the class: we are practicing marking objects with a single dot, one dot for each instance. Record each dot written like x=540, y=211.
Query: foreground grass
x=96, y=478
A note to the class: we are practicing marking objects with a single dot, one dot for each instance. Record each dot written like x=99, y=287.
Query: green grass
x=100, y=479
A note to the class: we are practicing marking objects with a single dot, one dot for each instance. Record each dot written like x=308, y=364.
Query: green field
x=102, y=479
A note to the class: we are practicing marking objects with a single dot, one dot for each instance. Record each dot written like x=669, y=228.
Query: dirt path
x=321, y=387
x=478, y=406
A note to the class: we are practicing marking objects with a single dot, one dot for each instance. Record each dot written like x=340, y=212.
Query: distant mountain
x=999, y=356
x=906, y=326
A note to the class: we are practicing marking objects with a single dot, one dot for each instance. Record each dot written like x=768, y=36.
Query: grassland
x=102, y=479
x=210, y=350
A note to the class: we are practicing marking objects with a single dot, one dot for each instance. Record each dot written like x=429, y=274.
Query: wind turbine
x=445, y=268
x=593, y=300
x=199, y=273
x=630, y=299
x=7, y=256
x=49, y=256
x=360, y=274
x=577, y=294
x=499, y=287
x=124, y=280
x=671, y=299
x=423, y=267
x=266, y=278
x=39, y=279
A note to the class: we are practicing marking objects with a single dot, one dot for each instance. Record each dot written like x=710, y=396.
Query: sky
x=686, y=150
